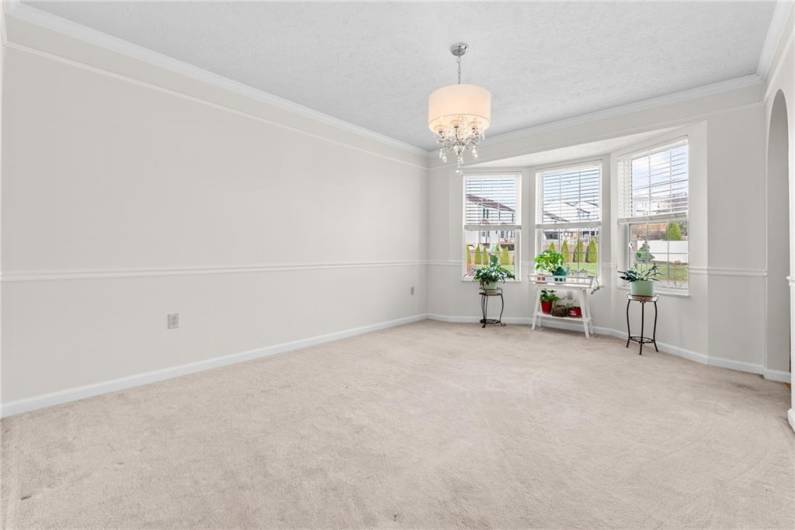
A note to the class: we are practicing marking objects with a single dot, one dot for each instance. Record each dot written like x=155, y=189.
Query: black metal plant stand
x=484, y=306
x=640, y=339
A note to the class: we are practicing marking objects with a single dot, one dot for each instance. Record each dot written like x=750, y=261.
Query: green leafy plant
x=561, y=309
x=493, y=272
x=551, y=262
x=548, y=295
x=639, y=274
x=644, y=255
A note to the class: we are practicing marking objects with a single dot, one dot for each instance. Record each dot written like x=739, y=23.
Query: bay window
x=492, y=221
x=569, y=215
x=653, y=196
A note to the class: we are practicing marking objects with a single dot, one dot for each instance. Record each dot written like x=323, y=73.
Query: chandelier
x=458, y=115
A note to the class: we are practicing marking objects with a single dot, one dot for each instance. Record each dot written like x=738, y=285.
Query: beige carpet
x=427, y=425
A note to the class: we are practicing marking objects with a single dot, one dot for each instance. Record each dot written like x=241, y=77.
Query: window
x=653, y=196
x=570, y=215
x=492, y=221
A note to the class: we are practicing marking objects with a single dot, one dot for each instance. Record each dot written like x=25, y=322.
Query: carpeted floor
x=426, y=425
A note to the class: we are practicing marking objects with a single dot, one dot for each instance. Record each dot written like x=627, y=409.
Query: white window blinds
x=570, y=195
x=654, y=184
x=491, y=201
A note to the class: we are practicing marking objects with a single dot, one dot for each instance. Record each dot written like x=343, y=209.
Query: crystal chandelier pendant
x=459, y=115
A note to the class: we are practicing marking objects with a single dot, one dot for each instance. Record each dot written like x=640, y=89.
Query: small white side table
x=581, y=286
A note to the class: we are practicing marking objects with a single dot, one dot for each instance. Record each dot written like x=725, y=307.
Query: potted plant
x=640, y=276
x=641, y=279
x=560, y=309
x=548, y=297
x=489, y=275
x=551, y=262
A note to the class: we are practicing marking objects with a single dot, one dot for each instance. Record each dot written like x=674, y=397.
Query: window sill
x=676, y=293
x=472, y=280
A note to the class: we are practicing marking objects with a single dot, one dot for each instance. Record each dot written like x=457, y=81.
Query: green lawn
x=672, y=274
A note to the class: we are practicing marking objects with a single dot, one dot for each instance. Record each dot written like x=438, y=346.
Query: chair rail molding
x=90, y=274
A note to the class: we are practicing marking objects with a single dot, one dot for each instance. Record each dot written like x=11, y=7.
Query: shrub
x=564, y=249
x=590, y=254
x=579, y=252
x=673, y=232
x=505, y=257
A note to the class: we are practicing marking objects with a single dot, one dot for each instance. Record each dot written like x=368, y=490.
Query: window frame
x=517, y=227
x=623, y=170
x=539, y=226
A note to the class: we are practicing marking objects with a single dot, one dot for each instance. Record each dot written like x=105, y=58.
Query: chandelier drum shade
x=462, y=106
x=459, y=115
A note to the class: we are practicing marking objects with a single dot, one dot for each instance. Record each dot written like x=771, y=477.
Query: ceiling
x=573, y=152
x=374, y=64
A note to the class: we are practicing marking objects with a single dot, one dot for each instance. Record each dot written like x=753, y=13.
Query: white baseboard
x=791, y=418
x=73, y=394
x=777, y=375
x=773, y=375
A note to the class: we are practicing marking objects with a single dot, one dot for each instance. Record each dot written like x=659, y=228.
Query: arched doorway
x=777, y=357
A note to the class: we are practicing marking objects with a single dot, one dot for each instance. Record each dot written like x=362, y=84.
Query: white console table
x=582, y=287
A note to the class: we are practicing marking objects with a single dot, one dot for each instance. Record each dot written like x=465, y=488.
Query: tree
x=564, y=249
x=552, y=246
x=505, y=257
x=477, y=256
x=590, y=253
x=579, y=252
x=673, y=232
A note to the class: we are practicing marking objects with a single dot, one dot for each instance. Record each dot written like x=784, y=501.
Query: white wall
x=131, y=194
x=782, y=79
x=721, y=321
x=133, y=187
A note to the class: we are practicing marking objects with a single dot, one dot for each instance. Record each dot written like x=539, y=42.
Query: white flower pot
x=642, y=288
x=489, y=286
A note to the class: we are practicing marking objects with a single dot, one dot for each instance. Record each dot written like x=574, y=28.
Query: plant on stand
x=489, y=275
x=641, y=276
x=551, y=262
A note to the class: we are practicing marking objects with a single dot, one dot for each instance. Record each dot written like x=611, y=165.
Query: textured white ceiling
x=572, y=152
x=374, y=64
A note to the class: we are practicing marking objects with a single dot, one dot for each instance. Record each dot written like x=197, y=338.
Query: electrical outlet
x=172, y=320
x=412, y=290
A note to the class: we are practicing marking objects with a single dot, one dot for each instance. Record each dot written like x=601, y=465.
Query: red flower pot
x=575, y=312
x=546, y=307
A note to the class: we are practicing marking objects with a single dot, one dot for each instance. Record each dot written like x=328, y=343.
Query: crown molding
x=87, y=35
x=721, y=87
x=690, y=94
x=778, y=30
x=6, y=8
